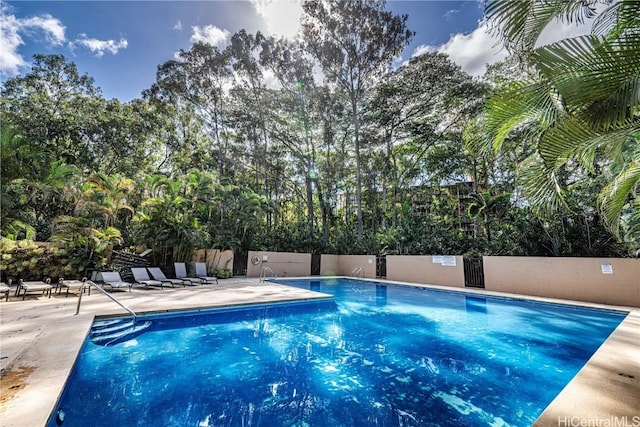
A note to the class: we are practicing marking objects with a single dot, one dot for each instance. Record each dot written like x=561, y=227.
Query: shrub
x=25, y=259
x=222, y=273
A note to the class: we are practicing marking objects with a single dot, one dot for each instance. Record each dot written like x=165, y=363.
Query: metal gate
x=381, y=266
x=473, y=272
x=240, y=260
x=315, y=264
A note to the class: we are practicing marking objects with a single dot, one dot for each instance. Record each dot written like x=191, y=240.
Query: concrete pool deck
x=40, y=339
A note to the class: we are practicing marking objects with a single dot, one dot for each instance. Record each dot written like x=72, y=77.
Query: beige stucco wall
x=329, y=265
x=347, y=263
x=579, y=279
x=215, y=259
x=284, y=264
x=422, y=269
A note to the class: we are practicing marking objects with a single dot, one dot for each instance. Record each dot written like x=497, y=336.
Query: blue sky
x=121, y=43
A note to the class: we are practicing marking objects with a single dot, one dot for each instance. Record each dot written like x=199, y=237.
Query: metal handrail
x=263, y=272
x=111, y=297
x=357, y=272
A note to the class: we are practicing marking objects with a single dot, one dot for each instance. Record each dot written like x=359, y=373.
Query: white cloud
x=210, y=34
x=52, y=28
x=449, y=14
x=475, y=50
x=282, y=17
x=99, y=47
x=422, y=49
x=558, y=30
x=12, y=30
x=178, y=26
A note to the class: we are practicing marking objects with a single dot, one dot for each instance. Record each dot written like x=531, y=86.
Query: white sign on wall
x=445, y=260
x=449, y=261
x=606, y=268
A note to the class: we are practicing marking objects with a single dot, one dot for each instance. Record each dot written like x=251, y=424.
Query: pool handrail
x=263, y=273
x=357, y=272
x=111, y=297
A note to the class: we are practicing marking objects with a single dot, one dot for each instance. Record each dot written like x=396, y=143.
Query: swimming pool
x=377, y=355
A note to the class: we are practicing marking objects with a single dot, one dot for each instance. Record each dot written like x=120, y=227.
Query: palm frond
x=619, y=18
x=571, y=138
x=521, y=104
x=599, y=81
x=14, y=227
x=632, y=228
x=541, y=188
x=520, y=22
x=616, y=195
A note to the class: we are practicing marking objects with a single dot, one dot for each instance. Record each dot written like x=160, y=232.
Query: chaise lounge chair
x=5, y=288
x=34, y=286
x=113, y=280
x=201, y=272
x=80, y=285
x=158, y=274
x=141, y=276
x=181, y=273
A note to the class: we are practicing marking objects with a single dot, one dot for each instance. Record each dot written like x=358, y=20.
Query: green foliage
x=167, y=221
x=368, y=161
x=584, y=101
x=354, y=41
x=24, y=259
x=221, y=273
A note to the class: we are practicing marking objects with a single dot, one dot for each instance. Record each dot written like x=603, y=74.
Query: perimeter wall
x=283, y=264
x=329, y=265
x=425, y=269
x=348, y=263
x=601, y=280
x=614, y=281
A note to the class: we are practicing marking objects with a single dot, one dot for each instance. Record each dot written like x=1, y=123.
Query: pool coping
x=606, y=388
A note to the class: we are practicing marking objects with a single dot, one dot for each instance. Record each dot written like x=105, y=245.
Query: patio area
x=40, y=338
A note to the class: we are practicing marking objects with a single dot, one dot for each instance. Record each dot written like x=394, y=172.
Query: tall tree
x=244, y=51
x=418, y=113
x=355, y=42
x=54, y=107
x=291, y=125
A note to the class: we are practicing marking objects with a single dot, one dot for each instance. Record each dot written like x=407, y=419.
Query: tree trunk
x=356, y=132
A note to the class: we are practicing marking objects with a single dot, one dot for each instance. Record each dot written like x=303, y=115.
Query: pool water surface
x=374, y=355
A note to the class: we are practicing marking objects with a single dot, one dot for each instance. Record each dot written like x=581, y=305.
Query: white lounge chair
x=141, y=276
x=34, y=286
x=181, y=273
x=113, y=280
x=5, y=288
x=80, y=285
x=158, y=274
x=201, y=272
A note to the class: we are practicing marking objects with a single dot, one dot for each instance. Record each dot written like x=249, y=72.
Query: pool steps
x=114, y=331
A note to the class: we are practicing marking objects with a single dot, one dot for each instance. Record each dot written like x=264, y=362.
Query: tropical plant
x=15, y=158
x=24, y=259
x=489, y=207
x=584, y=100
x=166, y=221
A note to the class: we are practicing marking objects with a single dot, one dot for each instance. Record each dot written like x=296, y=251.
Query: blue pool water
x=376, y=355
